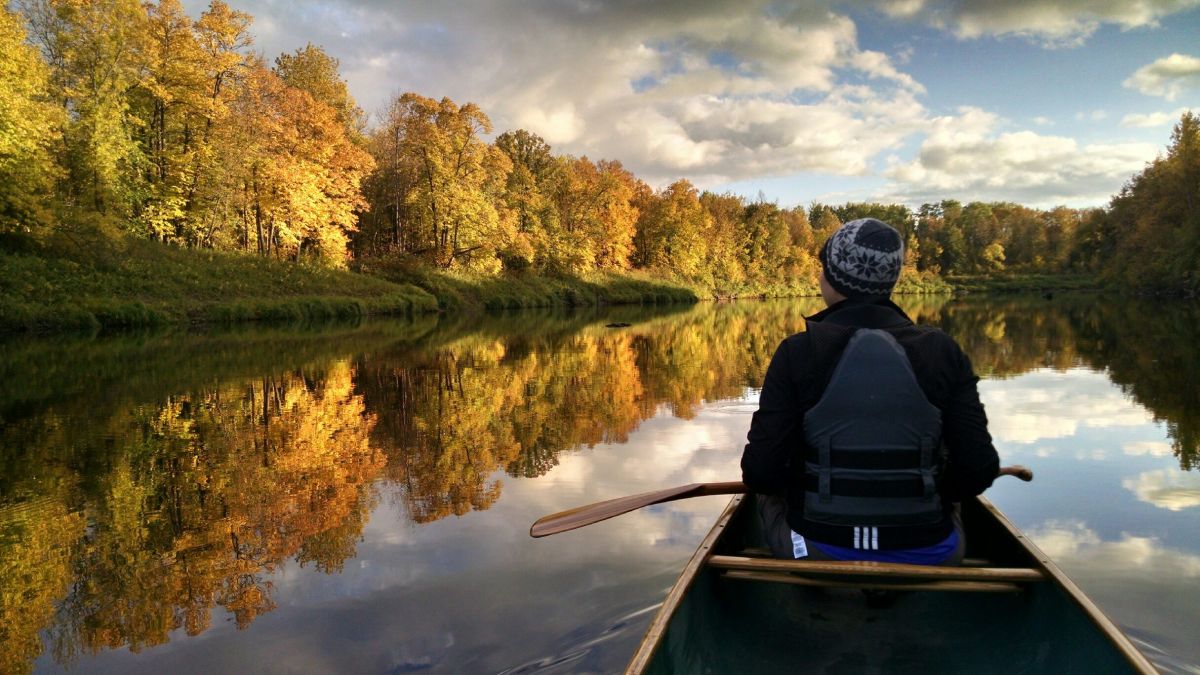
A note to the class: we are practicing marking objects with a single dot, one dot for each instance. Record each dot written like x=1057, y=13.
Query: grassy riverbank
x=107, y=283
x=458, y=291
x=102, y=282
x=1024, y=283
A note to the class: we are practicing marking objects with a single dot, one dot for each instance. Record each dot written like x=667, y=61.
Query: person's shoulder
x=795, y=341
x=931, y=332
x=933, y=338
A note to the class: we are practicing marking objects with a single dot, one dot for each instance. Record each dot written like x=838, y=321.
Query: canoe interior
x=737, y=626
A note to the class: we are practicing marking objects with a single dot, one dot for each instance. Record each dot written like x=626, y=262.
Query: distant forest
x=136, y=119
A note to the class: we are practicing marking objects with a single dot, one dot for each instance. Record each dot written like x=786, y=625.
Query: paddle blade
x=581, y=516
x=593, y=513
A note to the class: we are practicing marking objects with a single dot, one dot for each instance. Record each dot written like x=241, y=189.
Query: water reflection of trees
x=449, y=417
x=1147, y=346
x=137, y=499
x=1151, y=348
x=189, y=504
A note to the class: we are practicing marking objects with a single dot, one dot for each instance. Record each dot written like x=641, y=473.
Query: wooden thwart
x=961, y=586
x=764, y=552
x=885, y=572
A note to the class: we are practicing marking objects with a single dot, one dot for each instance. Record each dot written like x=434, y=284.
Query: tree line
x=135, y=115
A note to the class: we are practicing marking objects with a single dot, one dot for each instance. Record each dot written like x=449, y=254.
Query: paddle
x=581, y=516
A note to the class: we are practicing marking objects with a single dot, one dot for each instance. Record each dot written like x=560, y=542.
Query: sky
x=1039, y=102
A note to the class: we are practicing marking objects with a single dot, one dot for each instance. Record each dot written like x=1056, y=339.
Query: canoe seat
x=875, y=575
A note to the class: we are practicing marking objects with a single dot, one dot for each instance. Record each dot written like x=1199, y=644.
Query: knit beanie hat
x=863, y=258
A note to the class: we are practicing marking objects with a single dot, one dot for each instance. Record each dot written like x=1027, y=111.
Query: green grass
x=926, y=284
x=124, y=283
x=1020, y=283
x=105, y=282
x=465, y=291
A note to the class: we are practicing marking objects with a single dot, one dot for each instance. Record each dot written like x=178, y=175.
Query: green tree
x=1154, y=223
x=93, y=48
x=166, y=102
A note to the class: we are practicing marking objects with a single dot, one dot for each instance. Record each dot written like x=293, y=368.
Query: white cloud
x=1043, y=121
x=1072, y=543
x=559, y=125
x=715, y=91
x=1168, y=489
x=1046, y=404
x=1152, y=448
x=1167, y=77
x=1155, y=119
x=966, y=155
x=1053, y=23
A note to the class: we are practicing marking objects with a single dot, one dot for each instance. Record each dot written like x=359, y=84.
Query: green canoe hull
x=712, y=623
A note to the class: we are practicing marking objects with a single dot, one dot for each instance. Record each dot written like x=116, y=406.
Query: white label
x=799, y=549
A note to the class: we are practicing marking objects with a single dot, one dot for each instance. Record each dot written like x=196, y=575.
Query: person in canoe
x=869, y=427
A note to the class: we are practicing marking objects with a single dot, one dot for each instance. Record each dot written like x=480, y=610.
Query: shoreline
x=130, y=284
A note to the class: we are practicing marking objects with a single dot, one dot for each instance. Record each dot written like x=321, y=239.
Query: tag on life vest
x=799, y=548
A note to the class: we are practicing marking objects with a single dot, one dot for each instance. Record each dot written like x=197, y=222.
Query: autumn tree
x=824, y=222
x=726, y=238
x=768, y=250
x=167, y=101
x=528, y=194
x=92, y=49
x=212, y=203
x=596, y=216
x=441, y=182
x=30, y=129
x=300, y=172
x=312, y=70
x=670, y=234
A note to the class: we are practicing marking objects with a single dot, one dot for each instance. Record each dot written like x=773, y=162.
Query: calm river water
x=357, y=499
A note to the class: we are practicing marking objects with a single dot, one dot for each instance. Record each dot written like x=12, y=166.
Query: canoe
x=1008, y=609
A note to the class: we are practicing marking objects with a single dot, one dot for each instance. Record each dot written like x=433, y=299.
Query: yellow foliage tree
x=300, y=173
x=30, y=128
x=444, y=183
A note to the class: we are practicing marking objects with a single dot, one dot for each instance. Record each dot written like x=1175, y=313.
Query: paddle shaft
x=582, y=516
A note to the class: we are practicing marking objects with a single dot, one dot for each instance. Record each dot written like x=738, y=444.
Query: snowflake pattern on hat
x=863, y=258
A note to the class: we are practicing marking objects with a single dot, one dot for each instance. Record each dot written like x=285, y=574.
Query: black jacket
x=799, y=372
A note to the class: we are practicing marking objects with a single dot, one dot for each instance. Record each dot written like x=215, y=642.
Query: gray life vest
x=873, y=441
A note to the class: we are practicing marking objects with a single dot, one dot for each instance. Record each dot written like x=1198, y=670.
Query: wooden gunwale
x=653, y=637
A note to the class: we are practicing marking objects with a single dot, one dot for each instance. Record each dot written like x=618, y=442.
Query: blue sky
x=1038, y=102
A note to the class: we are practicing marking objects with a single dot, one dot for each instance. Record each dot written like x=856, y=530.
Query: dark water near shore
x=358, y=499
